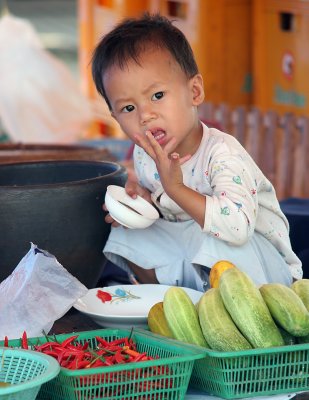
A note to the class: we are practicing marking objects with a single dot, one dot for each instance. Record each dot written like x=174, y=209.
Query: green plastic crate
x=250, y=373
x=138, y=381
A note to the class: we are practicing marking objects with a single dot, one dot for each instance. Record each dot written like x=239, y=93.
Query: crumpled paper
x=37, y=293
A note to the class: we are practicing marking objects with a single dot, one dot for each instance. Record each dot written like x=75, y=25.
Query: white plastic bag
x=37, y=293
x=40, y=101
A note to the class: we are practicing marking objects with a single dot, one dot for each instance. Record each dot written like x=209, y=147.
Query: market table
x=74, y=321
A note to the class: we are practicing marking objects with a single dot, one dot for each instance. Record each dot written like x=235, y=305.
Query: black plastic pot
x=56, y=205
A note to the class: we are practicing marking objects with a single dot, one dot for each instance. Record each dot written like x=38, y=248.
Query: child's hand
x=167, y=163
x=133, y=189
x=109, y=219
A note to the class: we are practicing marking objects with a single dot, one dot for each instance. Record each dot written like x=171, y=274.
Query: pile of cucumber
x=236, y=315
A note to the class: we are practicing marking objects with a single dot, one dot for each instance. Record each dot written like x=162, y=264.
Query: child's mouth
x=159, y=135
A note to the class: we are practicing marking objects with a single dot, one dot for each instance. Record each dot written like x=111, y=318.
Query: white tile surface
x=192, y=395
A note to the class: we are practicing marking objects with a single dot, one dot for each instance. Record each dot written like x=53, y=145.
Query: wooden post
x=268, y=151
x=253, y=135
x=239, y=124
x=285, y=156
x=301, y=162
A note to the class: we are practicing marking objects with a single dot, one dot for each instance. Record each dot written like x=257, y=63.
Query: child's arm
x=190, y=201
x=168, y=166
x=230, y=212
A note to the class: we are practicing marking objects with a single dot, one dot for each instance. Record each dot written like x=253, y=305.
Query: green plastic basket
x=250, y=373
x=166, y=377
x=25, y=371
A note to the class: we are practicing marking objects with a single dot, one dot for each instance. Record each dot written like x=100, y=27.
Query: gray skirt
x=182, y=254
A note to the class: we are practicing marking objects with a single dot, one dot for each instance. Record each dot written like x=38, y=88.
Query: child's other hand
x=133, y=189
x=109, y=219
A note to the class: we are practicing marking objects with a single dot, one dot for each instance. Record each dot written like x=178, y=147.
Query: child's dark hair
x=128, y=39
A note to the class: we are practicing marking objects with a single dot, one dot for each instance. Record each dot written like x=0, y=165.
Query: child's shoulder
x=215, y=136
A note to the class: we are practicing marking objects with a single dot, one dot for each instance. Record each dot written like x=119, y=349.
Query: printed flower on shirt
x=139, y=157
x=238, y=205
x=218, y=168
x=157, y=176
x=237, y=179
x=225, y=211
x=214, y=231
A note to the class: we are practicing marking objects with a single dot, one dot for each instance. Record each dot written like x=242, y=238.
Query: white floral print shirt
x=239, y=198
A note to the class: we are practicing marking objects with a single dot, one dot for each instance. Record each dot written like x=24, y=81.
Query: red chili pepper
x=24, y=341
x=104, y=296
x=108, y=362
x=58, y=349
x=110, y=349
x=117, y=342
x=73, y=347
x=75, y=364
x=51, y=353
x=67, y=360
x=79, y=355
x=82, y=364
x=85, y=346
x=47, y=345
x=64, y=356
x=142, y=357
x=102, y=341
x=136, y=355
x=6, y=341
x=96, y=364
x=69, y=340
x=119, y=357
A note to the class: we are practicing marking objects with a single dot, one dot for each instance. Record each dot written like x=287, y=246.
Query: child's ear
x=197, y=88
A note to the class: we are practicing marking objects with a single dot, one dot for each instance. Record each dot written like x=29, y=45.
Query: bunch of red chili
x=74, y=355
x=24, y=341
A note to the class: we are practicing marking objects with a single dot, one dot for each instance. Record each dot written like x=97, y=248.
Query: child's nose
x=146, y=115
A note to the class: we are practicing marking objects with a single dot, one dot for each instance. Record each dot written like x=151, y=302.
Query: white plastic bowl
x=131, y=213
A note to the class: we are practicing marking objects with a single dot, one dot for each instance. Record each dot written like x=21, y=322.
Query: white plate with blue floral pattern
x=124, y=306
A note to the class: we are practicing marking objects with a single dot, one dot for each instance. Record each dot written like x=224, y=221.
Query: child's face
x=156, y=95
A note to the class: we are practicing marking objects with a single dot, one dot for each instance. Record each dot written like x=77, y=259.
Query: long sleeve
x=231, y=210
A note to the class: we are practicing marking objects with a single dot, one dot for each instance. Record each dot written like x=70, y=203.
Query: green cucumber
x=217, y=326
x=287, y=308
x=301, y=288
x=157, y=322
x=246, y=306
x=182, y=317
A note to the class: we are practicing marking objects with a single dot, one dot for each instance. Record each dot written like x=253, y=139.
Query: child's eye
x=157, y=96
x=127, y=109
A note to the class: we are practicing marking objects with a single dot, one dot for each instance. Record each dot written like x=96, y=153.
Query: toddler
x=214, y=201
